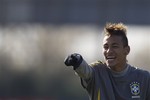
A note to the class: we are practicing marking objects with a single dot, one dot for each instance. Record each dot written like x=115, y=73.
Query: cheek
x=121, y=55
x=104, y=52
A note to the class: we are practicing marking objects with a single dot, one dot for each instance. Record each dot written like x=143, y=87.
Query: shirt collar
x=122, y=73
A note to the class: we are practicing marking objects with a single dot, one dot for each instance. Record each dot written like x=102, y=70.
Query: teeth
x=110, y=57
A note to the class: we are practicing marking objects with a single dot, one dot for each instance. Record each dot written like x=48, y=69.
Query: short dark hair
x=118, y=29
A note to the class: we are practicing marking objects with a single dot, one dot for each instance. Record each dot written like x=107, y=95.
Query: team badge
x=135, y=89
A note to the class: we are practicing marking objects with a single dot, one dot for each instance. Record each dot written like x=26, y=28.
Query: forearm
x=84, y=70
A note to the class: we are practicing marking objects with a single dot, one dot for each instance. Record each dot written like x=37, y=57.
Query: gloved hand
x=73, y=60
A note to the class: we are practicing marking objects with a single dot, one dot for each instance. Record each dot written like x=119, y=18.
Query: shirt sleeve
x=87, y=72
x=84, y=70
x=148, y=94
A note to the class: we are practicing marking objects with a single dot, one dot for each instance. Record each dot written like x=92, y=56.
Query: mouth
x=110, y=58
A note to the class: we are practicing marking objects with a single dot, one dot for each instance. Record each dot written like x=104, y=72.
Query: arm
x=79, y=65
x=148, y=88
x=84, y=70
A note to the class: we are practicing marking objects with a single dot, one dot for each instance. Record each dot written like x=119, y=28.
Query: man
x=114, y=79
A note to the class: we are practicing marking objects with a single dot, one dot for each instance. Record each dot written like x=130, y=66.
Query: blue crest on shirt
x=135, y=88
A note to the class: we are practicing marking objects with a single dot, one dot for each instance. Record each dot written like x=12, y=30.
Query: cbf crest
x=135, y=89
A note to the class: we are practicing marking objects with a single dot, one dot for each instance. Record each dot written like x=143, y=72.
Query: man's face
x=114, y=51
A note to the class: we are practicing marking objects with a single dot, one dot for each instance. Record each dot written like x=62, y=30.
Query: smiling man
x=115, y=46
x=114, y=79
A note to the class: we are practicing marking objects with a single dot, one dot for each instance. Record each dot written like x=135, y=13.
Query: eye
x=115, y=46
x=105, y=47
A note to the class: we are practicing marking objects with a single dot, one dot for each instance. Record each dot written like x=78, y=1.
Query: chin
x=110, y=65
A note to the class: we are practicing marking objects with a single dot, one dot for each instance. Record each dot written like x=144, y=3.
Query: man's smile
x=110, y=58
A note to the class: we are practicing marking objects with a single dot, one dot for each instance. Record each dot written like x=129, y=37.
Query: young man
x=114, y=79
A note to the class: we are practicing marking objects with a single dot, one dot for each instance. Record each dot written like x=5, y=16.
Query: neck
x=119, y=68
x=121, y=73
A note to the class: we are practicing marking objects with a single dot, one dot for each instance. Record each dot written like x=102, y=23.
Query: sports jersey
x=102, y=83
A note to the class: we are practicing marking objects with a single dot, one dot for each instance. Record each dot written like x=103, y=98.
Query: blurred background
x=37, y=35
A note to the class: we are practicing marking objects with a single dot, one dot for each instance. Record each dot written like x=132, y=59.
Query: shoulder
x=96, y=63
x=140, y=72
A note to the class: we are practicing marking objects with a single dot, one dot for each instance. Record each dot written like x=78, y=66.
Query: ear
x=127, y=50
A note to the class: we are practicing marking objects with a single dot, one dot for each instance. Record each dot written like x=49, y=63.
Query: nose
x=109, y=50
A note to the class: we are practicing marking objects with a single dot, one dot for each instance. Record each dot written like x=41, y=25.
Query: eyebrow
x=111, y=44
x=115, y=44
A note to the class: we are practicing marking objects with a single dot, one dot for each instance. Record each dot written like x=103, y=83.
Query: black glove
x=73, y=60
